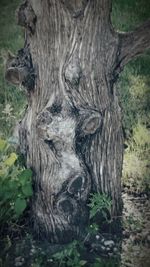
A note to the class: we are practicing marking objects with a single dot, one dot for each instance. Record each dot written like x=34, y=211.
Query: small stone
x=115, y=250
x=17, y=264
x=132, y=237
x=32, y=251
x=135, y=253
x=144, y=236
x=50, y=260
x=97, y=237
x=109, y=243
x=110, y=254
x=126, y=234
x=137, y=238
x=18, y=259
x=108, y=249
x=138, y=230
x=128, y=264
x=103, y=248
x=96, y=246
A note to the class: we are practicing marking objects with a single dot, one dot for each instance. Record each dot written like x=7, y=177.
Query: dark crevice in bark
x=83, y=143
x=76, y=8
x=117, y=69
x=20, y=70
x=51, y=145
x=26, y=16
x=55, y=108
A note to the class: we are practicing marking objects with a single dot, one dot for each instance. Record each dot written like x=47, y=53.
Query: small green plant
x=70, y=256
x=109, y=262
x=97, y=263
x=100, y=203
x=15, y=185
x=93, y=228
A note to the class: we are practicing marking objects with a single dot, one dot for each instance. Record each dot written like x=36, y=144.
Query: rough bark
x=71, y=134
x=133, y=43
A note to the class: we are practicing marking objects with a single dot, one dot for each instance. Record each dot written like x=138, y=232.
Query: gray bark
x=133, y=44
x=71, y=134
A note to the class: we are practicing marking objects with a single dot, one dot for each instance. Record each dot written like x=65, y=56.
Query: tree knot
x=19, y=69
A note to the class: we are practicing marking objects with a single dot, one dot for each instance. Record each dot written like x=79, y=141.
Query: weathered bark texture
x=134, y=43
x=71, y=134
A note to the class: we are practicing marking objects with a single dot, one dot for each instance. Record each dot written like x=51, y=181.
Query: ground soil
x=136, y=234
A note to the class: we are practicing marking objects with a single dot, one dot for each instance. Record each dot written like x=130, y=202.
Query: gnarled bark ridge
x=71, y=134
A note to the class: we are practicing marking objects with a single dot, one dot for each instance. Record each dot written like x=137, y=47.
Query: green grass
x=11, y=34
x=11, y=38
x=134, y=94
x=134, y=82
x=128, y=14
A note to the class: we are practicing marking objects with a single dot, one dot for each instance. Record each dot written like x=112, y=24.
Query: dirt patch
x=136, y=234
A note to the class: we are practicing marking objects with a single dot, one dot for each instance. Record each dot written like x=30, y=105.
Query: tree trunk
x=71, y=134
